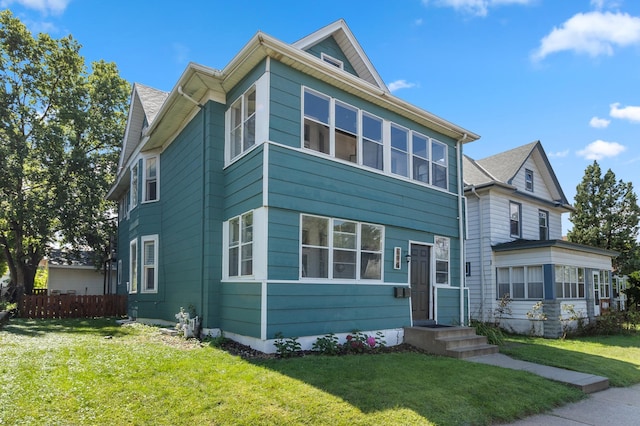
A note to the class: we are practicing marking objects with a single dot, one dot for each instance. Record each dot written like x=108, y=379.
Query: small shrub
x=573, y=315
x=503, y=309
x=327, y=345
x=286, y=348
x=218, y=341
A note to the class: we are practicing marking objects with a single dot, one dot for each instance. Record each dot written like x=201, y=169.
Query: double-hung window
x=372, y=144
x=316, y=122
x=346, y=132
x=420, y=151
x=241, y=245
x=399, y=151
x=528, y=180
x=243, y=123
x=149, y=264
x=151, y=179
x=133, y=266
x=439, y=165
x=543, y=221
x=340, y=249
x=514, y=219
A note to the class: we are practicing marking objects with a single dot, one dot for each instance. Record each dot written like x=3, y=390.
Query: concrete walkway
x=605, y=406
x=587, y=383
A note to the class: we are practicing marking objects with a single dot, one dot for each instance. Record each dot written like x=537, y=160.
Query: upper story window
x=340, y=249
x=543, y=220
x=528, y=180
x=242, y=128
x=123, y=210
x=134, y=186
x=514, y=219
x=150, y=185
x=240, y=247
x=331, y=60
x=342, y=131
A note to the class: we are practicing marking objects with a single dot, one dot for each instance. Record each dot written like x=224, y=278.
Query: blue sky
x=566, y=73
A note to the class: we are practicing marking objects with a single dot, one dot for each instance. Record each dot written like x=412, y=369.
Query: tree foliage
x=60, y=131
x=606, y=215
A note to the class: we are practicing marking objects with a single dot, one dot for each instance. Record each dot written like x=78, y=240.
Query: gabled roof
x=145, y=105
x=199, y=84
x=350, y=47
x=502, y=168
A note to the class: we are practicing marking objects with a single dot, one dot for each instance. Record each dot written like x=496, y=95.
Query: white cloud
x=475, y=7
x=599, y=123
x=400, y=84
x=593, y=33
x=55, y=7
x=559, y=154
x=418, y=22
x=605, y=4
x=600, y=149
x=631, y=113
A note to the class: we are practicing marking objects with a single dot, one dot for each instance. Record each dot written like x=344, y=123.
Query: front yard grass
x=96, y=372
x=616, y=357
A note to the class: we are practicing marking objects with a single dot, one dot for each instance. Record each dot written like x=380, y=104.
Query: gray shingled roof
x=505, y=165
x=151, y=99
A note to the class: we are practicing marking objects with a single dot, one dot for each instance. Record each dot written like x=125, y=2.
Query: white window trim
x=519, y=205
x=332, y=61
x=143, y=240
x=133, y=267
x=144, y=179
x=331, y=248
x=134, y=181
x=448, y=260
x=386, y=142
x=584, y=282
x=261, y=86
x=259, y=243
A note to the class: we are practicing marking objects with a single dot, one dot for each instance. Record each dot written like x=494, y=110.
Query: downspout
x=473, y=191
x=461, y=223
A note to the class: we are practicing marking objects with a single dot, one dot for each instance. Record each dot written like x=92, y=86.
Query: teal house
x=291, y=192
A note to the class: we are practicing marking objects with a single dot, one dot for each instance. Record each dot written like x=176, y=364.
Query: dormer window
x=528, y=180
x=331, y=60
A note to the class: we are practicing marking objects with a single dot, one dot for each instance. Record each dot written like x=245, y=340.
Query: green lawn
x=95, y=372
x=616, y=357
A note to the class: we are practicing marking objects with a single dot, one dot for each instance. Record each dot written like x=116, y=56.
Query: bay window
x=340, y=249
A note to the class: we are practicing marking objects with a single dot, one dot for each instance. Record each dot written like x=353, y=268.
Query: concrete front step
x=455, y=342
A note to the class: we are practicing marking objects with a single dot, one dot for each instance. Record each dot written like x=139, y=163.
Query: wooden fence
x=72, y=306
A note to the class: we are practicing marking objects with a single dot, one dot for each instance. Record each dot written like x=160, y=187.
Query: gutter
x=459, y=143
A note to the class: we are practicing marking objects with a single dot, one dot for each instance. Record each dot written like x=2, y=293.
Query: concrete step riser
x=460, y=343
x=456, y=342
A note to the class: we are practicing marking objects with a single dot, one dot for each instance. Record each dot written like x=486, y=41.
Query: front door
x=420, y=275
x=596, y=293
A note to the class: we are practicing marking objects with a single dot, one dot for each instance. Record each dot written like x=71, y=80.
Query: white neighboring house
x=77, y=274
x=515, y=245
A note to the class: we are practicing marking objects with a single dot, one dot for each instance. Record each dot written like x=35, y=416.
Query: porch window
x=569, y=282
x=150, y=264
x=399, y=151
x=543, y=221
x=372, y=145
x=242, y=117
x=514, y=219
x=520, y=282
x=346, y=132
x=241, y=245
x=133, y=266
x=150, y=185
x=439, y=165
x=442, y=245
x=316, y=122
x=340, y=249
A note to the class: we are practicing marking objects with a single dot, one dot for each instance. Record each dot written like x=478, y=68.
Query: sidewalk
x=605, y=406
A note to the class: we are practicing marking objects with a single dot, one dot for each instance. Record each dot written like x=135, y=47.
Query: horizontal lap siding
x=243, y=184
x=177, y=221
x=240, y=313
x=303, y=309
x=298, y=181
x=449, y=306
x=330, y=47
